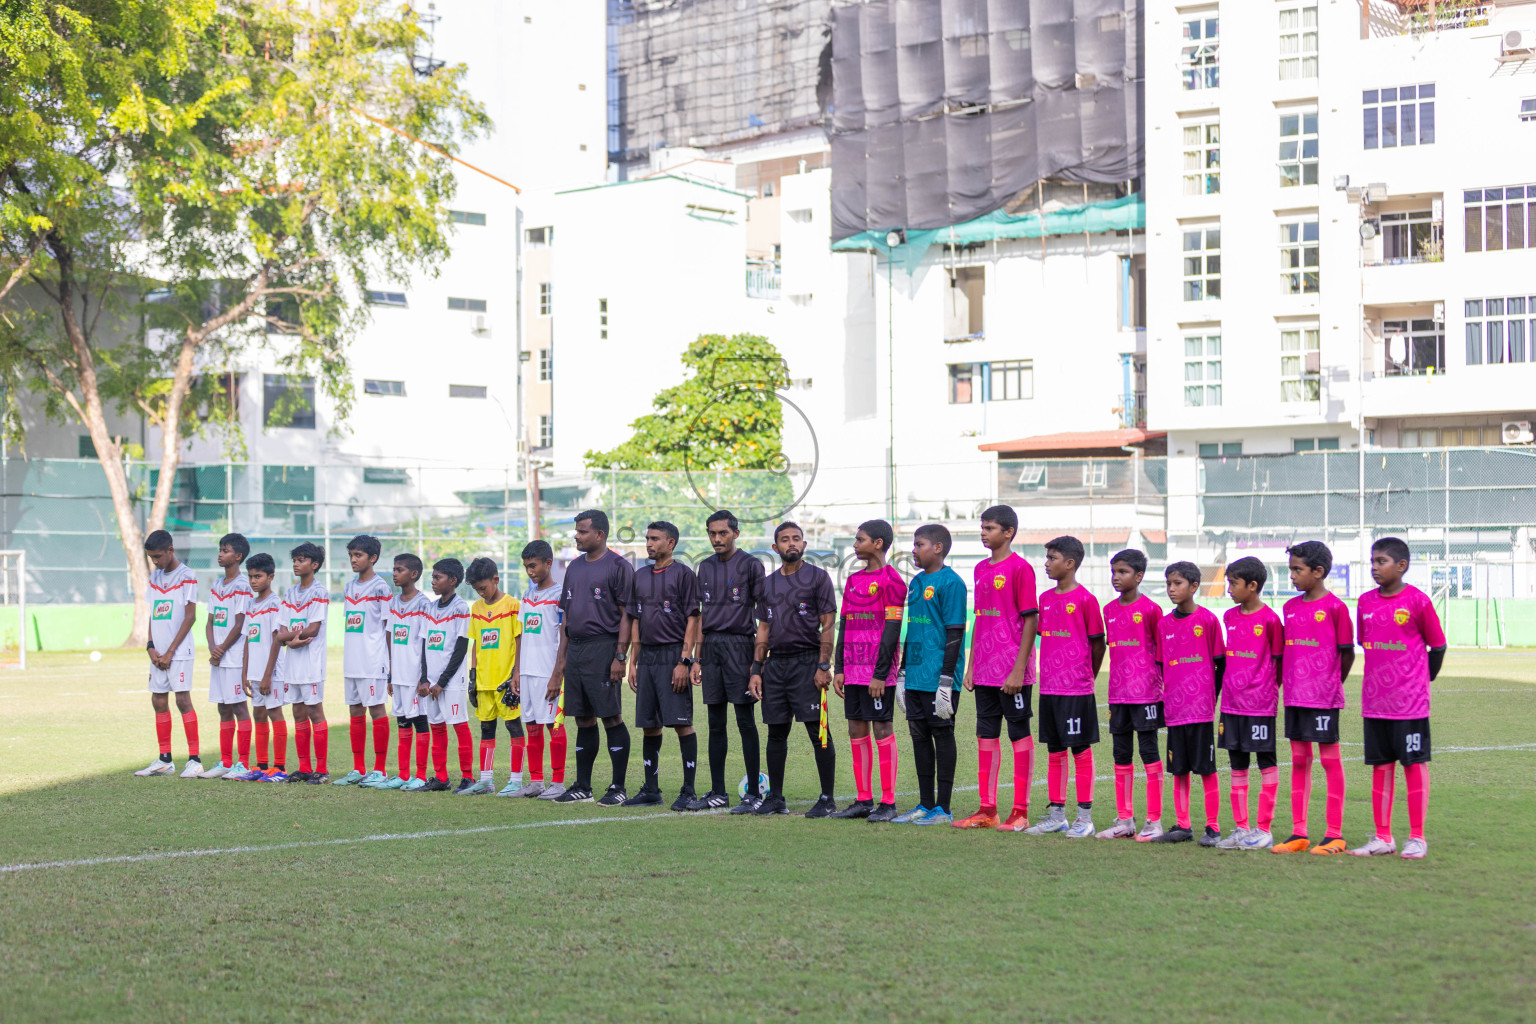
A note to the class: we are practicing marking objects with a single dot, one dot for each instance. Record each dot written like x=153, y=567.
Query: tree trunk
x=170, y=432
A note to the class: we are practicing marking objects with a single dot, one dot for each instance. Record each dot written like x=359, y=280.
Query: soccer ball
x=762, y=785
x=95, y=655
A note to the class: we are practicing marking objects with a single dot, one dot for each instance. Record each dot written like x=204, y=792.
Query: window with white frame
x=964, y=379
x=1500, y=218
x=546, y=364
x=1298, y=148
x=1299, y=255
x=466, y=217
x=1298, y=42
x=1499, y=330
x=385, y=298
x=1402, y=115
x=1414, y=348
x=1202, y=158
x=546, y=298
x=390, y=388
x=1410, y=236
x=546, y=431
x=1220, y=449
x=1202, y=264
x=1528, y=109
x=1011, y=380
x=466, y=305
x=1200, y=59
x=1095, y=473
x=1300, y=369
x=1314, y=444
x=1202, y=369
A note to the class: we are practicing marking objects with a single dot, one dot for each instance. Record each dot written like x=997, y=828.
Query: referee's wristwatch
x=824, y=666
x=621, y=656
x=685, y=662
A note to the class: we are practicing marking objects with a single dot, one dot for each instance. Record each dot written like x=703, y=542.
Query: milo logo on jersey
x=253, y=632
x=354, y=622
x=220, y=615
x=436, y=639
x=490, y=639
x=160, y=611
x=298, y=622
x=533, y=622
x=401, y=634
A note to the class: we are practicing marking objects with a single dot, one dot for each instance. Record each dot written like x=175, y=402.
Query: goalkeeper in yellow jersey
x=494, y=624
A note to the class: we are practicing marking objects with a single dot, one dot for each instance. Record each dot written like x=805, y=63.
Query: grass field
x=321, y=903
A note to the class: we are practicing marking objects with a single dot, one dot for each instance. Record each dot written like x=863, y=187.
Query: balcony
x=762, y=279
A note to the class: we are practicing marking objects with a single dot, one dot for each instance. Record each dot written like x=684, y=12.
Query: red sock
x=487, y=754
x=1125, y=779
x=403, y=754
x=1239, y=797
x=243, y=741
x=1333, y=771
x=1154, y=772
x=1301, y=785
x=988, y=753
x=516, y=743
x=380, y=743
x=280, y=743
x=1023, y=772
x=440, y=751
x=322, y=733
x=301, y=733
x=1383, y=781
x=466, y=748
x=1181, y=801
x=358, y=731
x=887, y=749
x=1212, y=800
x=264, y=741
x=226, y=742
x=1417, y=777
x=424, y=745
x=1269, y=792
x=862, y=756
x=536, y=752
x=1083, y=765
x=1056, y=777
x=189, y=726
x=163, y=730
x=557, y=755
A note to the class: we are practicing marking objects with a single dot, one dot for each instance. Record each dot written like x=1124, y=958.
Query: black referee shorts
x=657, y=705
x=790, y=693
x=725, y=665
x=588, y=693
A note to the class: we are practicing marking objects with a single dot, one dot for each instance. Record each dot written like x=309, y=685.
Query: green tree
x=226, y=160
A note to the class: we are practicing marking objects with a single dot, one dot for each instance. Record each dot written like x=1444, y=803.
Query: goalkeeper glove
x=508, y=698
x=474, y=699
x=944, y=699
x=901, y=690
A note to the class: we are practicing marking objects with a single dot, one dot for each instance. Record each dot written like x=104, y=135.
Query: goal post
x=13, y=608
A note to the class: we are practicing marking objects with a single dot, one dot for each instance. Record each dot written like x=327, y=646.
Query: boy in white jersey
x=228, y=598
x=536, y=649
x=303, y=659
x=263, y=681
x=444, y=686
x=407, y=613
x=365, y=660
x=172, y=611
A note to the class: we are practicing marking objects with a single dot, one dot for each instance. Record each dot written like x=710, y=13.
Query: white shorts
x=536, y=710
x=450, y=707
x=405, y=703
x=225, y=685
x=367, y=692
x=305, y=693
x=176, y=679
x=274, y=700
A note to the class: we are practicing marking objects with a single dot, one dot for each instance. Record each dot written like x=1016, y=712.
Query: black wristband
x=757, y=668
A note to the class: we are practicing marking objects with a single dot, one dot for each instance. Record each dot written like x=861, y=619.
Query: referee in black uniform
x=594, y=643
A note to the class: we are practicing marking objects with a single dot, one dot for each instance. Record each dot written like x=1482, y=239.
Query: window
x=289, y=491
x=962, y=383
x=466, y=391
x=1300, y=369
x=1202, y=159
x=538, y=238
x=1528, y=110
x=546, y=364
x=963, y=307
x=1418, y=438
x=385, y=475
x=602, y=306
x=1314, y=444
x=380, y=298
x=1201, y=59
x=1298, y=258
x=288, y=401
x=394, y=388
x=1202, y=369
x=1410, y=237
x=1500, y=218
x=546, y=431
x=1011, y=380
x=1298, y=149
x=602, y=318
x=1216, y=450
x=1202, y=264
x=87, y=449
x=465, y=217
x=1401, y=116
x=1414, y=348
x=546, y=298
x=1500, y=330
x=1095, y=474
x=1298, y=42
x=467, y=305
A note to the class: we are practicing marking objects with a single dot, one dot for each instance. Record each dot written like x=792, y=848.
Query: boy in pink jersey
x=1404, y=649
x=1319, y=652
x=1001, y=668
x=1250, y=696
x=1135, y=695
x=1071, y=651
x=865, y=663
x=1193, y=656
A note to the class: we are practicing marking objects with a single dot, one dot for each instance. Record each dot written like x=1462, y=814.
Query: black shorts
x=920, y=708
x=1312, y=725
x=1124, y=718
x=725, y=665
x=993, y=704
x=657, y=705
x=859, y=706
x=588, y=693
x=1253, y=733
x=1068, y=720
x=1404, y=740
x=1191, y=749
x=790, y=693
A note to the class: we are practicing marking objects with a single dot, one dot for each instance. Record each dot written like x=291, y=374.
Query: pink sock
x=466, y=743
x=1212, y=800
x=1056, y=777
x=1417, y=777
x=1301, y=785
x=1125, y=779
x=862, y=761
x=1082, y=764
x=887, y=748
x=1023, y=771
x=1333, y=771
x=302, y=731
x=1181, y=801
x=1383, y=781
x=1154, y=772
x=1239, y=796
x=988, y=754
x=1269, y=792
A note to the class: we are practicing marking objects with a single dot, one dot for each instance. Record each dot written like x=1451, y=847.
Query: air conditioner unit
x=1517, y=44
x=1517, y=432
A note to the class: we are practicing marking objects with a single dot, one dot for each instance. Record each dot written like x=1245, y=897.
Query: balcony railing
x=762, y=279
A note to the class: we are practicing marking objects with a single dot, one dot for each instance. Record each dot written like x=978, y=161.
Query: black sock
x=944, y=754
x=167, y=757
x=746, y=724
x=826, y=759
x=618, y=751
x=690, y=748
x=778, y=753
x=922, y=759
x=586, y=755
x=650, y=753
x=719, y=746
